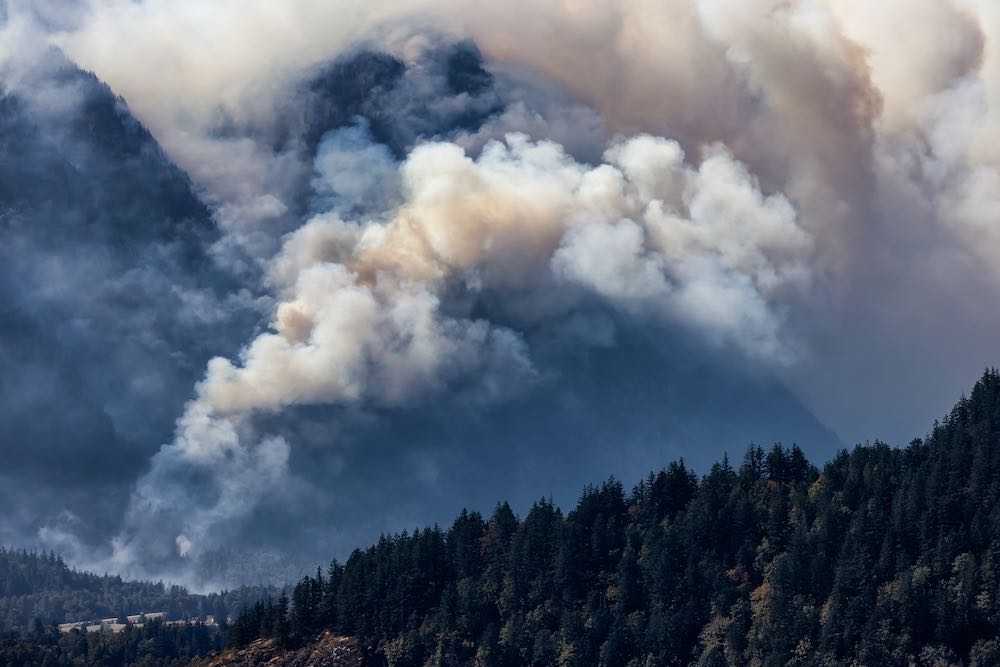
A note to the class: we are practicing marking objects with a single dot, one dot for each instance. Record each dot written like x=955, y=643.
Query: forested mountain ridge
x=886, y=556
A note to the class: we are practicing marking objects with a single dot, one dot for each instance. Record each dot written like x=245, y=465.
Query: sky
x=279, y=277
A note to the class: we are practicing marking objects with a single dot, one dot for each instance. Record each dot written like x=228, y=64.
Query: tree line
x=154, y=644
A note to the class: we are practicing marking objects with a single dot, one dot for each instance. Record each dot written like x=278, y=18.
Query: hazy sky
x=371, y=263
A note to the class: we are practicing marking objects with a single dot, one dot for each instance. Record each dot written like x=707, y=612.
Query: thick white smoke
x=799, y=180
x=371, y=311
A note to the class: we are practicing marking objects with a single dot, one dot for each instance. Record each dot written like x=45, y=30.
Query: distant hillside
x=154, y=644
x=41, y=586
x=884, y=557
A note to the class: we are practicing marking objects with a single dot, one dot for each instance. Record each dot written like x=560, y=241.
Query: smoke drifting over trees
x=355, y=245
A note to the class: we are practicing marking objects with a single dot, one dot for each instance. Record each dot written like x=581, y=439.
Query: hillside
x=41, y=586
x=160, y=644
x=885, y=556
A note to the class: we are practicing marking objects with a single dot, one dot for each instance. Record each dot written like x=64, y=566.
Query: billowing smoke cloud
x=379, y=312
x=438, y=202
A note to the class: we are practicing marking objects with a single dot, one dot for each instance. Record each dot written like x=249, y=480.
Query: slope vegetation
x=887, y=556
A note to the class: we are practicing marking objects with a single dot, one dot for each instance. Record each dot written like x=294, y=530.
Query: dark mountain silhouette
x=107, y=293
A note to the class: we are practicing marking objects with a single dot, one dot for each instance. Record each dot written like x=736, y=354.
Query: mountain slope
x=110, y=300
x=885, y=556
x=619, y=411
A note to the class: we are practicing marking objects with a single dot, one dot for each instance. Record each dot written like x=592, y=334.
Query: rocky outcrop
x=327, y=650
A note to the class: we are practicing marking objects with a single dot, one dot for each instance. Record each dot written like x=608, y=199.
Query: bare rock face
x=328, y=650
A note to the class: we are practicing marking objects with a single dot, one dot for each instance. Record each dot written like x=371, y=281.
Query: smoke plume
x=440, y=209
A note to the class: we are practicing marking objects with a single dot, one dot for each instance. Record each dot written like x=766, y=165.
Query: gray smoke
x=441, y=223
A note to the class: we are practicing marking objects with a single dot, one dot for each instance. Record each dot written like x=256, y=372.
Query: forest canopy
x=885, y=556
